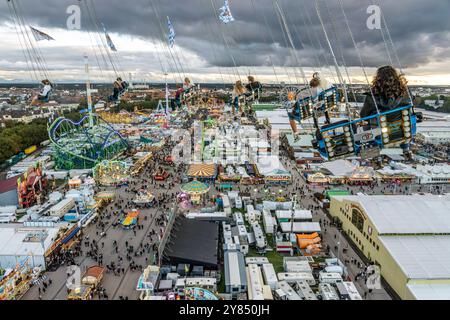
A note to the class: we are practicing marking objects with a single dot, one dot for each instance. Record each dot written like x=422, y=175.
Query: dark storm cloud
x=420, y=29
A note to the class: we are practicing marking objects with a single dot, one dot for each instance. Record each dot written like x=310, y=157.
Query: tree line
x=15, y=137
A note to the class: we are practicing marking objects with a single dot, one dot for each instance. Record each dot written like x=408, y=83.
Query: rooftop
x=420, y=257
x=406, y=214
x=430, y=291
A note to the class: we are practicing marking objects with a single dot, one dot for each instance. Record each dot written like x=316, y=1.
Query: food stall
x=89, y=283
x=144, y=198
x=317, y=178
x=361, y=176
x=161, y=175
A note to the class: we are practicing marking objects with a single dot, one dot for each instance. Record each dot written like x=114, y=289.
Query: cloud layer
x=255, y=42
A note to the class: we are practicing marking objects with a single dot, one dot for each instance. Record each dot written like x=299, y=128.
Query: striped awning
x=202, y=170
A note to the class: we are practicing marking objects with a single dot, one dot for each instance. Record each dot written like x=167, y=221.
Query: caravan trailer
x=285, y=292
x=352, y=291
x=238, y=218
x=327, y=292
x=238, y=203
x=293, y=277
x=342, y=291
x=261, y=241
x=270, y=277
x=332, y=278
x=304, y=291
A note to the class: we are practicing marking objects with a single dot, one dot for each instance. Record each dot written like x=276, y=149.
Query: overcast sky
x=207, y=50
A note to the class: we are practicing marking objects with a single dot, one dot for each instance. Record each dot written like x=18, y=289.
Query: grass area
x=273, y=256
x=221, y=286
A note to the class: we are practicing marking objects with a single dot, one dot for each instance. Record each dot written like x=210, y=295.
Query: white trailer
x=256, y=260
x=293, y=277
x=270, y=277
x=254, y=282
x=352, y=291
x=285, y=292
x=261, y=241
x=327, y=292
x=332, y=278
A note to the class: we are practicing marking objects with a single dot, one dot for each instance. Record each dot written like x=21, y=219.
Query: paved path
x=116, y=286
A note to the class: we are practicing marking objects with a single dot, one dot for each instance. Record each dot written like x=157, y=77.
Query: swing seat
x=45, y=99
x=336, y=140
x=321, y=103
x=393, y=128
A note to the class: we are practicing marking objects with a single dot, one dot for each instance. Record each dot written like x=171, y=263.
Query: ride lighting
x=407, y=124
x=328, y=144
x=346, y=129
x=350, y=144
x=383, y=119
x=331, y=154
x=347, y=134
x=407, y=134
x=327, y=139
x=405, y=112
x=384, y=130
x=385, y=135
x=351, y=149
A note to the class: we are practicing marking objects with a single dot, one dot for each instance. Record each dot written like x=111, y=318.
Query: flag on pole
x=39, y=35
x=172, y=33
x=225, y=13
x=108, y=40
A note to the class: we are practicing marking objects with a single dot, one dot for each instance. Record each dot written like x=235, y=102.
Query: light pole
x=167, y=94
x=88, y=91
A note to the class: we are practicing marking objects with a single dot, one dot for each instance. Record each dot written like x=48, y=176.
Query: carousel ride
x=111, y=173
x=196, y=190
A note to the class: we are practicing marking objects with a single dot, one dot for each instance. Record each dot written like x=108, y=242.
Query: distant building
x=436, y=104
x=434, y=132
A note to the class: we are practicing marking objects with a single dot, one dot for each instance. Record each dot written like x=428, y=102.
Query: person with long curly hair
x=238, y=91
x=390, y=90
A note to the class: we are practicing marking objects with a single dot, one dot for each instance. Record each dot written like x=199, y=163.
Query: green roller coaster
x=84, y=144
